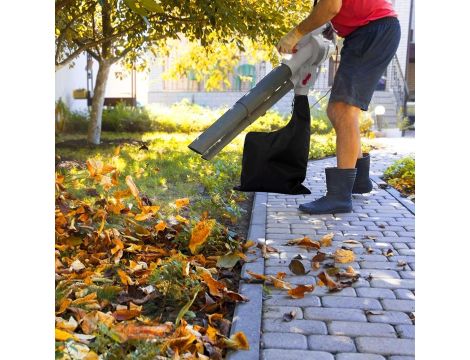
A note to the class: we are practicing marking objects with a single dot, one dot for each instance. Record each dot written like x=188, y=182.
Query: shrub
x=401, y=175
x=126, y=118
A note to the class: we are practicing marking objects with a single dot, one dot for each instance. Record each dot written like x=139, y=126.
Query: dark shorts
x=365, y=56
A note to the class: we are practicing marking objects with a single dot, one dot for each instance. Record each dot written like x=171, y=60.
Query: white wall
x=68, y=79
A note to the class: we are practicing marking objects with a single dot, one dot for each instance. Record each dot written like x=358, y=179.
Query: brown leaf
x=235, y=296
x=125, y=314
x=256, y=276
x=344, y=256
x=279, y=283
x=315, y=265
x=297, y=267
x=329, y=282
x=327, y=239
x=389, y=253
x=305, y=242
x=299, y=291
x=289, y=316
x=216, y=288
x=128, y=331
x=319, y=257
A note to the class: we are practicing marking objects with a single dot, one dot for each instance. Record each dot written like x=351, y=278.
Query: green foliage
x=401, y=175
x=170, y=281
x=126, y=118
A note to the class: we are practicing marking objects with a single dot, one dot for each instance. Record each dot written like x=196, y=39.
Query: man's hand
x=287, y=43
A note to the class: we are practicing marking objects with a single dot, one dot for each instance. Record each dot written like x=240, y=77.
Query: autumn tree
x=124, y=31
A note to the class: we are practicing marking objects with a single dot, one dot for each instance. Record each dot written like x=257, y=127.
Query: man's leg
x=345, y=120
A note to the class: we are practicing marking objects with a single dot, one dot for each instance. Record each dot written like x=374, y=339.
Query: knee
x=342, y=116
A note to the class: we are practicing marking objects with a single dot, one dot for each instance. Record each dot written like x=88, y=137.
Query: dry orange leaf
x=215, y=287
x=299, y=291
x=344, y=256
x=200, y=233
x=160, y=226
x=280, y=284
x=135, y=331
x=327, y=239
x=182, y=202
x=255, y=275
x=325, y=279
x=125, y=279
x=237, y=341
x=125, y=314
x=306, y=242
x=134, y=190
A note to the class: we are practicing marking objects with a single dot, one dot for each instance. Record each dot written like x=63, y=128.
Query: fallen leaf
x=228, y=261
x=127, y=331
x=306, y=242
x=237, y=341
x=402, y=263
x=344, y=256
x=370, y=312
x=62, y=335
x=319, y=257
x=350, y=270
x=234, y=296
x=299, y=291
x=297, y=267
x=329, y=282
x=389, y=253
x=200, y=233
x=256, y=276
x=327, y=239
x=160, y=226
x=315, y=265
x=289, y=316
x=77, y=265
x=351, y=242
x=382, y=226
x=181, y=202
x=125, y=314
x=215, y=287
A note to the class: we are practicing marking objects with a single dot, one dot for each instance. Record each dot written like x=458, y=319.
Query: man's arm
x=320, y=15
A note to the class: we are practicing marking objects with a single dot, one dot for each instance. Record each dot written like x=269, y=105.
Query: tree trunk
x=94, y=127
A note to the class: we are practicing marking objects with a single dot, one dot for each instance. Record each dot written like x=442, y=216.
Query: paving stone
x=328, y=314
x=407, y=274
x=398, y=246
x=372, y=258
x=405, y=331
x=401, y=357
x=390, y=317
x=277, y=312
x=351, y=303
x=323, y=290
x=404, y=294
x=393, y=283
x=354, y=329
x=356, y=356
x=277, y=354
x=378, y=273
x=384, y=265
x=407, y=252
x=305, y=327
x=246, y=318
x=284, y=340
x=331, y=343
x=284, y=300
x=385, y=346
x=375, y=293
x=398, y=305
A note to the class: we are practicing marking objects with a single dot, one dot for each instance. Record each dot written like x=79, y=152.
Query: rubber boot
x=338, y=199
x=362, y=184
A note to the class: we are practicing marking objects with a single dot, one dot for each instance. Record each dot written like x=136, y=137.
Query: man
x=371, y=34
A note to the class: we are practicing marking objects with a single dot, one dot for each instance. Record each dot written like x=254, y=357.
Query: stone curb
x=408, y=204
x=247, y=316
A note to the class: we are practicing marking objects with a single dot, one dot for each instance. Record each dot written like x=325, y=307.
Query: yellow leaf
x=181, y=219
x=160, y=226
x=181, y=202
x=62, y=335
x=326, y=240
x=134, y=190
x=237, y=341
x=200, y=233
x=344, y=256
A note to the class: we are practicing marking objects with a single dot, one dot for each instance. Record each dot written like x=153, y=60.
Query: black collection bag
x=277, y=161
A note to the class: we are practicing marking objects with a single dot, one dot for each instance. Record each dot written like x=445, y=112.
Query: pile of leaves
x=333, y=277
x=401, y=175
x=134, y=283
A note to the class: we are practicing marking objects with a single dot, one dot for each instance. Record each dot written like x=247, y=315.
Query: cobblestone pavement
x=372, y=320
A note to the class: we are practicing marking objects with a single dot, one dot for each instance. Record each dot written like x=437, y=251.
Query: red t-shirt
x=357, y=13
